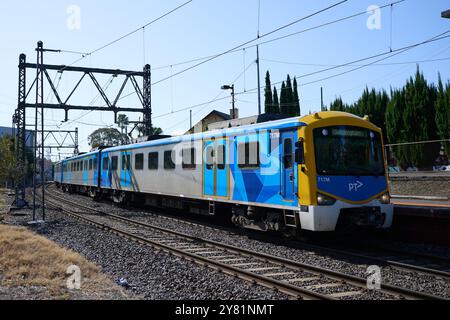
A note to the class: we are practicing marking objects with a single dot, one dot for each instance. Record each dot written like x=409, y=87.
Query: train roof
x=270, y=125
x=81, y=156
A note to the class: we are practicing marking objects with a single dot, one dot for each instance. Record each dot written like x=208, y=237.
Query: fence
x=418, y=156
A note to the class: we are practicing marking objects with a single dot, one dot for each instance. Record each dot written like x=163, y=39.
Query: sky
x=203, y=28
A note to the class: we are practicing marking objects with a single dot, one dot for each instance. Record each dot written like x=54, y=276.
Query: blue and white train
x=320, y=172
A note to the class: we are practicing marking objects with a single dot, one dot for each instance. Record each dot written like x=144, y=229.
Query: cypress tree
x=296, y=99
x=419, y=118
x=276, y=103
x=443, y=111
x=268, y=102
x=395, y=130
x=283, y=100
x=337, y=105
x=289, y=98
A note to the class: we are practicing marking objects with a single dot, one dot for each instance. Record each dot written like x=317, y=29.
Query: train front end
x=343, y=181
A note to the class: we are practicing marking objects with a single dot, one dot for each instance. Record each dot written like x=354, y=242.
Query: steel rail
x=280, y=285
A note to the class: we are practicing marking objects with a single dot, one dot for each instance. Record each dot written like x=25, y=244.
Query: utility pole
x=39, y=103
x=321, y=99
x=257, y=59
x=259, y=80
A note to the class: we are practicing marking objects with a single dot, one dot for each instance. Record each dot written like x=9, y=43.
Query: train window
x=114, y=163
x=90, y=164
x=209, y=157
x=248, y=155
x=95, y=163
x=105, y=163
x=153, y=160
x=188, y=156
x=139, y=161
x=86, y=166
x=287, y=156
x=169, y=157
x=126, y=162
x=221, y=157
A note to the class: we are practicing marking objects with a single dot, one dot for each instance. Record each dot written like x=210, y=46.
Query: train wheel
x=120, y=198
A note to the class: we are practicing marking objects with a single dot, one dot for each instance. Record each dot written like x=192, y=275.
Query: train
x=322, y=172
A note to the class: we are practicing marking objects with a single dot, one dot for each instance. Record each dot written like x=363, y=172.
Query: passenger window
x=126, y=162
x=287, y=147
x=139, y=161
x=188, y=156
x=95, y=164
x=153, y=161
x=209, y=157
x=114, y=163
x=221, y=160
x=248, y=155
x=169, y=157
x=105, y=163
x=90, y=164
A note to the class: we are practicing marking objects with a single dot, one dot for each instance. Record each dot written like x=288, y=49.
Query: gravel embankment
x=411, y=280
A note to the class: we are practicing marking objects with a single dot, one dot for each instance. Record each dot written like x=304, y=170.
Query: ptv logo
x=354, y=187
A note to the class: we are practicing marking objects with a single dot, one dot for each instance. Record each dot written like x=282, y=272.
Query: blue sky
x=207, y=27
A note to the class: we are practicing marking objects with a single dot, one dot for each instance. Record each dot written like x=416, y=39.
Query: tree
x=268, y=102
x=283, y=100
x=289, y=97
x=106, y=137
x=442, y=107
x=395, y=130
x=155, y=131
x=276, y=103
x=419, y=118
x=296, y=103
x=123, y=122
x=8, y=170
x=337, y=105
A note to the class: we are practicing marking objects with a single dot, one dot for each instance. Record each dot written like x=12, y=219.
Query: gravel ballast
x=411, y=280
x=158, y=275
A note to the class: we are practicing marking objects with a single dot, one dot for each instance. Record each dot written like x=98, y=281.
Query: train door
x=125, y=176
x=287, y=166
x=85, y=172
x=105, y=177
x=215, y=174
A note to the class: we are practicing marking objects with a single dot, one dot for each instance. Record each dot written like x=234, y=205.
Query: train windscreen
x=349, y=151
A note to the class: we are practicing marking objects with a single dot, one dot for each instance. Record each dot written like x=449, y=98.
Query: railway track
x=402, y=260
x=296, y=279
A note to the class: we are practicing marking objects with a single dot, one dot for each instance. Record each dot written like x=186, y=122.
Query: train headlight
x=385, y=198
x=323, y=200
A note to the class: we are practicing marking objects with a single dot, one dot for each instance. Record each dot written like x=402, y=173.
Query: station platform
x=421, y=203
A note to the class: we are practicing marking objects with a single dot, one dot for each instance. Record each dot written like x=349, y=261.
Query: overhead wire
x=438, y=37
x=250, y=41
x=127, y=35
x=278, y=38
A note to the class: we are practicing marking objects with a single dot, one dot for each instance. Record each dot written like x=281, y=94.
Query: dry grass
x=27, y=259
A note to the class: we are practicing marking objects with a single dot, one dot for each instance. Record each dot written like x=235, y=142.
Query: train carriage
x=80, y=173
x=317, y=173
